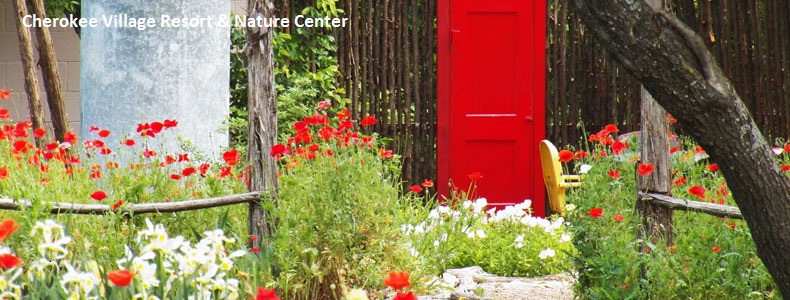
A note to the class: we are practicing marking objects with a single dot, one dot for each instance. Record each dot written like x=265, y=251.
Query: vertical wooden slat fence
x=386, y=58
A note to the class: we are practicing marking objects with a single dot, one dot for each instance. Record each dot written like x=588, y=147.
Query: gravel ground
x=473, y=283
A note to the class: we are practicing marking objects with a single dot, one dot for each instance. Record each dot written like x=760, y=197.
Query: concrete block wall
x=67, y=50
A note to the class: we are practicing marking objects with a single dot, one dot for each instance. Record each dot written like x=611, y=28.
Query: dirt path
x=473, y=283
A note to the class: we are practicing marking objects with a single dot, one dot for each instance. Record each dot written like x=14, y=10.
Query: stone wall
x=67, y=48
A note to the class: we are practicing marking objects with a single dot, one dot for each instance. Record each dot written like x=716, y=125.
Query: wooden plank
x=141, y=208
x=712, y=209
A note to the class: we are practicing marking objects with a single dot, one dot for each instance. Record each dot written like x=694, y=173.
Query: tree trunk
x=31, y=82
x=262, y=110
x=674, y=65
x=49, y=70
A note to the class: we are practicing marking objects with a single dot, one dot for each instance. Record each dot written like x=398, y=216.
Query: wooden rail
x=717, y=210
x=141, y=208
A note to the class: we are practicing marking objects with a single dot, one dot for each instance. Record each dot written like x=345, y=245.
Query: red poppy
x=232, y=157
x=104, y=133
x=8, y=260
x=313, y=147
x=427, y=183
x=157, y=127
x=266, y=294
x=679, y=181
x=595, y=212
x=645, y=169
x=188, y=171
x=99, y=195
x=129, y=142
x=731, y=224
x=475, y=176
x=170, y=124
x=175, y=176
x=149, y=153
x=713, y=167
x=7, y=227
x=5, y=94
x=787, y=148
x=120, y=277
x=22, y=146
x=415, y=189
x=117, y=204
x=671, y=248
x=697, y=191
x=367, y=121
x=673, y=149
x=672, y=120
x=224, y=171
x=4, y=173
x=4, y=113
x=70, y=138
x=565, y=155
x=183, y=157
x=170, y=159
x=385, y=154
x=615, y=174
x=203, y=168
x=278, y=149
x=580, y=154
x=785, y=168
x=618, y=218
x=618, y=147
x=105, y=151
x=39, y=132
x=715, y=249
x=397, y=280
x=611, y=128
x=405, y=296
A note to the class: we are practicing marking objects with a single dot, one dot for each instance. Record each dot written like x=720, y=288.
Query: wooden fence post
x=657, y=220
x=262, y=118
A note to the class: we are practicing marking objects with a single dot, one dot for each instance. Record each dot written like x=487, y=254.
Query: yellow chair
x=556, y=182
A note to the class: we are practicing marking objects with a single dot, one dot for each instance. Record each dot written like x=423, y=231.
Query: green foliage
x=305, y=71
x=59, y=8
x=711, y=257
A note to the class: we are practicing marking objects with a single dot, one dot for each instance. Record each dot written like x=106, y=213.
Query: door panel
x=496, y=99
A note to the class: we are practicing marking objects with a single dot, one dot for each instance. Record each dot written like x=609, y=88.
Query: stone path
x=473, y=283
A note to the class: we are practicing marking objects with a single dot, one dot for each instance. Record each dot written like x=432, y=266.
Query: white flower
x=546, y=253
x=479, y=205
x=565, y=238
x=584, y=169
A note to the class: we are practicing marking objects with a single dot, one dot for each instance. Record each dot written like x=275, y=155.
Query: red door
x=492, y=98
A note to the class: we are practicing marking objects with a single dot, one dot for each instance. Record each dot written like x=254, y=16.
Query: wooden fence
x=387, y=61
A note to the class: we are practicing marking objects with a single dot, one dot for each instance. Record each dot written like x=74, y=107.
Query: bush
x=711, y=257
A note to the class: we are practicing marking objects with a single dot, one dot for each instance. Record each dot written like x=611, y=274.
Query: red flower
x=367, y=121
x=645, y=169
x=129, y=142
x=671, y=248
x=713, y=167
x=787, y=148
x=279, y=149
x=618, y=147
x=615, y=174
x=406, y=296
x=611, y=128
x=415, y=189
x=397, y=280
x=22, y=146
x=731, y=224
x=120, y=277
x=203, y=168
x=255, y=249
x=266, y=294
x=104, y=133
x=231, y=157
x=170, y=124
x=188, y=171
x=698, y=191
x=105, y=151
x=618, y=218
x=117, y=204
x=7, y=227
x=475, y=176
x=183, y=157
x=595, y=212
x=5, y=94
x=673, y=149
x=672, y=120
x=715, y=249
x=170, y=159
x=8, y=260
x=322, y=105
x=70, y=138
x=4, y=113
x=39, y=132
x=175, y=176
x=157, y=127
x=343, y=114
x=224, y=171
x=149, y=153
x=427, y=183
x=385, y=154
x=99, y=195
x=313, y=147
x=679, y=181
x=565, y=155
x=785, y=168
x=580, y=154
